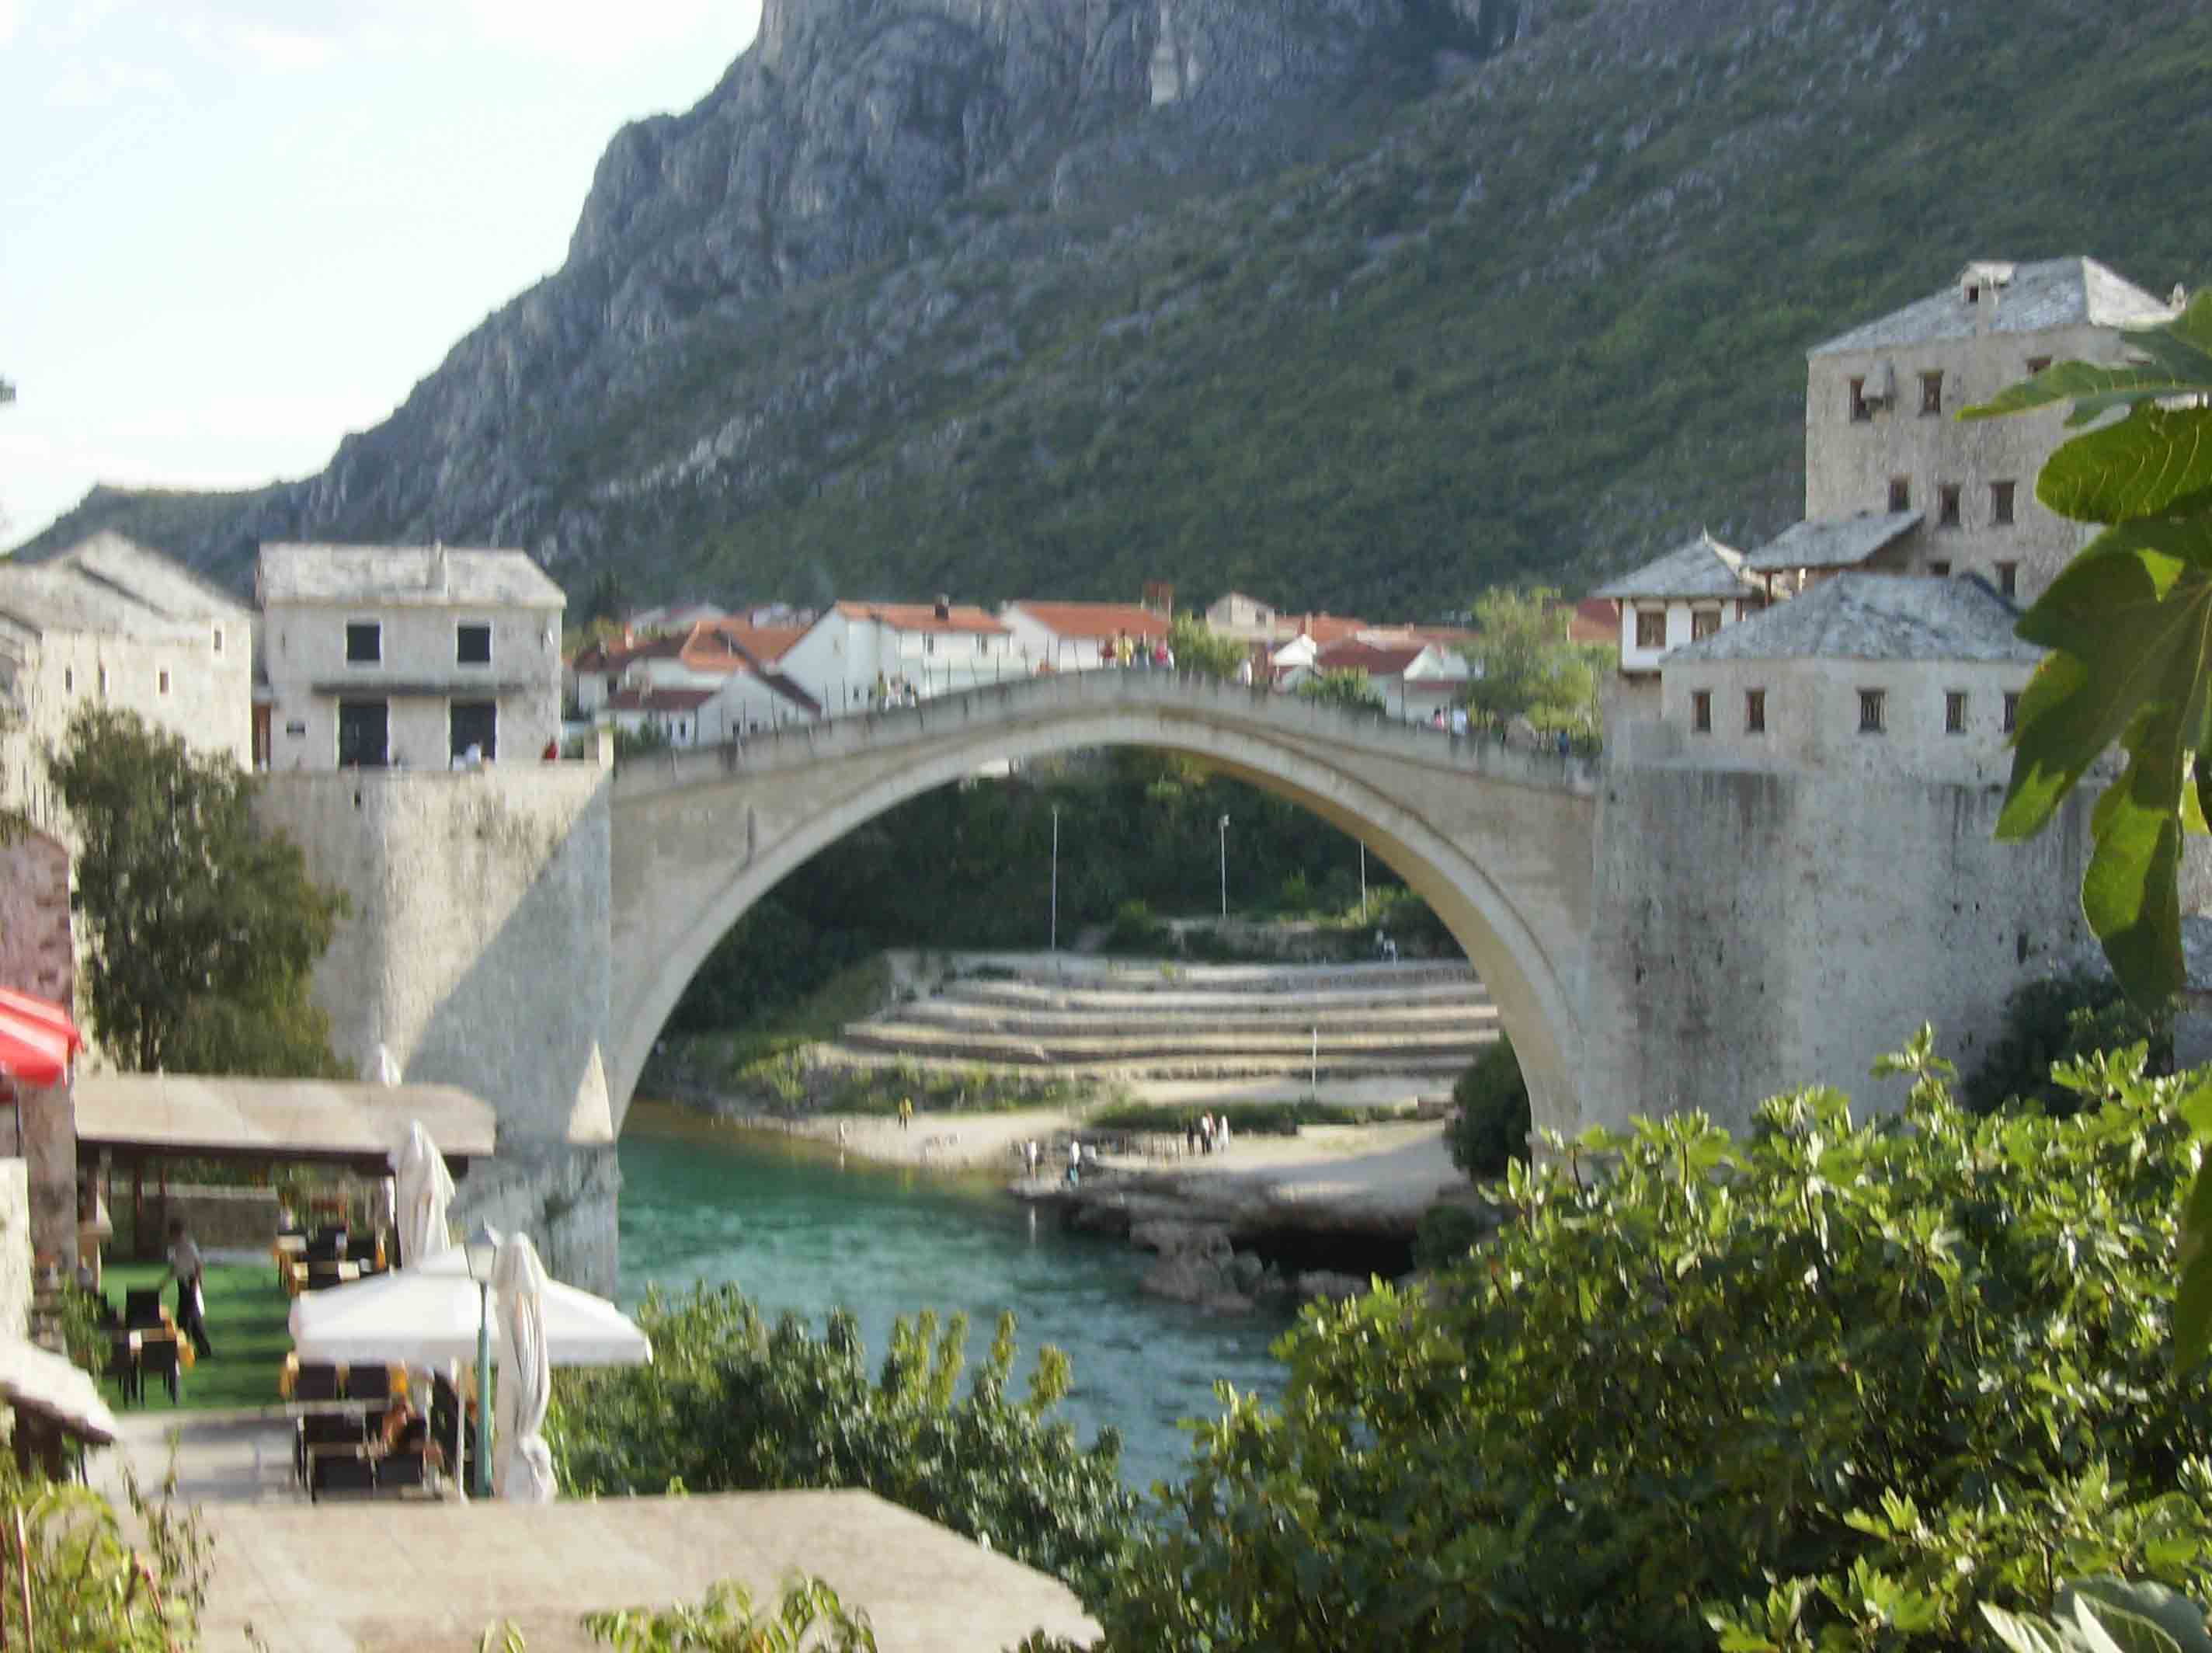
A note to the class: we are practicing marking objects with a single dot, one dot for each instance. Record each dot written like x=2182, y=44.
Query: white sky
x=232, y=231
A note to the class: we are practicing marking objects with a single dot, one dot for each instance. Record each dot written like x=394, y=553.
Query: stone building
x=1883, y=439
x=109, y=622
x=1690, y=593
x=413, y=656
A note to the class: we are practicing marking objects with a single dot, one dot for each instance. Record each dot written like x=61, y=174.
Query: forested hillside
x=1525, y=295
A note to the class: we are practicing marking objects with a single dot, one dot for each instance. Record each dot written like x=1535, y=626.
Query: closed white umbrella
x=522, y=1464
x=32, y=1377
x=425, y=1191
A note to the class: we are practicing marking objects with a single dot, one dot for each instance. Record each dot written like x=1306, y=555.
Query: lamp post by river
x=1225, y=866
x=1054, y=946
x=483, y=1249
x=1363, y=875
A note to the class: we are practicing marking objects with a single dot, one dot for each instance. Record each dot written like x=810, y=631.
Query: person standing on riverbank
x=1074, y=1162
x=906, y=1113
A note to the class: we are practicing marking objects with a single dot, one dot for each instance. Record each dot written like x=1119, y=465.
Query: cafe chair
x=368, y=1383
x=341, y=1472
x=344, y=1430
x=158, y=1357
x=401, y=1469
x=123, y=1367
x=318, y=1383
x=141, y=1308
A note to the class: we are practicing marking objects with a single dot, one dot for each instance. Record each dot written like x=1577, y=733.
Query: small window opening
x=1900, y=494
x=364, y=642
x=103, y=683
x=2009, y=579
x=69, y=680
x=1701, y=711
x=1754, y=711
x=2036, y=364
x=1954, y=712
x=1940, y=570
x=1947, y=494
x=1862, y=410
x=2011, y=710
x=1931, y=393
x=472, y=643
x=1703, y=623
x=2001, y=503
x=165, y=681
x=218, y=639
x=1651, y=629
x=1874, y=710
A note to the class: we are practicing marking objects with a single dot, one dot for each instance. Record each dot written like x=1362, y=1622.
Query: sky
x=232, y=232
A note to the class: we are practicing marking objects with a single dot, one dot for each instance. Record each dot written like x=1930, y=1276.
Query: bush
x=1445, y=1234
x=82, y=1583
x=1134, y=930
x=1245, y=1118
x=733, y=1403
x=1491, y=1131
x=1829, y=1387
x=2057, y=1021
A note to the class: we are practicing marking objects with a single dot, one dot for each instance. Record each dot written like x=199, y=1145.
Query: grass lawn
x=247, y=1322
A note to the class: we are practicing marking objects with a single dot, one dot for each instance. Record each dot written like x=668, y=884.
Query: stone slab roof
x=1833, y=542
x=161, y=583
x=414, y=576
x=1874, y=617
x=2020, y=298
x=1704, y=567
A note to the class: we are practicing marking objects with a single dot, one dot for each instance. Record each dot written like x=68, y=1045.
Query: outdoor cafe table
x=134, y=1341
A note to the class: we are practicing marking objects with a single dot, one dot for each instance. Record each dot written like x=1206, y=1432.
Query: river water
x=795, y=1226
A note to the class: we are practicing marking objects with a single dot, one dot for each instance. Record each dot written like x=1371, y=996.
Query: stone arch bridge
x=1498, y=840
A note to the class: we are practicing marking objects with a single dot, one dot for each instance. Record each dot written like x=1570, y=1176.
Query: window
x=1874, y=710
x=1900, y=494
x=218, y=639
x=1947, y=496
x=1703, y=623
x=1650, y=627
x=1940, y=570
x=2011, y=710
x=1754, y=711
x=1954, y=712
x=2001, y=503
x=165, y=681
x=2009, y=579
x=1701, y=710
x=472, y=731
x=980, y=645
x=1931, y=393
x=364, y=642
x=472, y=643
x=103, y=683
x=1862, y=410
x=69, y=680
x=2036, y=364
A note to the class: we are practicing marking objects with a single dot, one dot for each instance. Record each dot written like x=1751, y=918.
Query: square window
x=1862, y=410
x=472, y=643
x=2009, y=579
x=1940, y=570
x=1947, y=495
x=1651, y=629
x=1900, y=494
x=2001, y=503
x=1874, y=710
x=1701, y=710
x=2011, y=710
x=1931, y=393
x=1954, y=712
x=364, y=642
x=1703, y=623
x=1754, y=711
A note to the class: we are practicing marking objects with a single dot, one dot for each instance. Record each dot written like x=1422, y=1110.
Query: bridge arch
x=1497, y=840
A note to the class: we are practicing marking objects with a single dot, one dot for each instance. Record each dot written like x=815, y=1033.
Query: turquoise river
x=794, y=1227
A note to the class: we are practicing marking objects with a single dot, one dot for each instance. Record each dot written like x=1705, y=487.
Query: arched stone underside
x=1497, y=840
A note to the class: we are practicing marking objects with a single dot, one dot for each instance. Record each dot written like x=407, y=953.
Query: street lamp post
x=1225, y=866
x=483, y=1249
x=1054, y=946
x=1363, y=875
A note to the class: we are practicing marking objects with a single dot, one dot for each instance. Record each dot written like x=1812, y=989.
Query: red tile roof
x=924, y=616
x=1327, y=628
x=1095, y=619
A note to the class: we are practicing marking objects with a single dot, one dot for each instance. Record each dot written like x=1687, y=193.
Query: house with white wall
x=110, y=622
x=1079, y=636
x=415, y=656
x=854, y=648
x=1689, y=593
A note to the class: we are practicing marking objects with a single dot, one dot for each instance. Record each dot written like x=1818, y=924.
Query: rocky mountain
x=1361, y=303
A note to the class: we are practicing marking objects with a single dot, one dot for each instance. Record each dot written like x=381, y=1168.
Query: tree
x=1349, y=690
x=1197, y=647
x=203, y=930
x=1526, y=666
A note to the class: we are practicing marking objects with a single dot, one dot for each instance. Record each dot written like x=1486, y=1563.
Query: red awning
x=36, y=1040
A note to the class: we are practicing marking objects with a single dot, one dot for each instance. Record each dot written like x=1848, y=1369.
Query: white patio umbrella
x=425, y=1191
x=522, y=1464
x=427, y=1315
x=32, y=1377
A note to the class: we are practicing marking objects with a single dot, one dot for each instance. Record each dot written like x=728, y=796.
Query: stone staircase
x=1131, y=1020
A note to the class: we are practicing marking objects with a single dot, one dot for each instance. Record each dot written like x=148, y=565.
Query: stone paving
x=432, y=1575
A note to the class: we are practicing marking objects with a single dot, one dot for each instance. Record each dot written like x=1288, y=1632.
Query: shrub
x=2057, y=1021
x=1134, y=930
x=80, y=1582
x=732, y=1403
x=1491, y=1131
x=1832, y=1386
x=1445, y=1234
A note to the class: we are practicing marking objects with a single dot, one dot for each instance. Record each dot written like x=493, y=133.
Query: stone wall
x=477, y=954
x=230, y=1219
x=15, y=1248
x=38, y=953
x=1754, y=932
